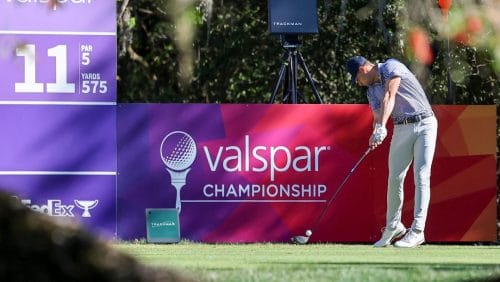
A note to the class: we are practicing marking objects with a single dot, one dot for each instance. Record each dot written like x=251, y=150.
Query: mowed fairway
x=322, y=262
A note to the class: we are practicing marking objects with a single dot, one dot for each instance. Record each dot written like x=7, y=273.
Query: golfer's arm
x=391, y=88
x=376, y=117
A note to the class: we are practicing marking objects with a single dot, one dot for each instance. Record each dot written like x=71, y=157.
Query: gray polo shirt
x=410, y=97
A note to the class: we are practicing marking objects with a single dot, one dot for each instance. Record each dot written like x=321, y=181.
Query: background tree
x=232, y=58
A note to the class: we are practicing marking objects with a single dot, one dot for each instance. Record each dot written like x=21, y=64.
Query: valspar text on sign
x=261, y=158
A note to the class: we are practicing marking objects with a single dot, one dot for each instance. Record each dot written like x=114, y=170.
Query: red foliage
x=445, y=6
x=420, y=46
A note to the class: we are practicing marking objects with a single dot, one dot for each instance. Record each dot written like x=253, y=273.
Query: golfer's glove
x=379, y=133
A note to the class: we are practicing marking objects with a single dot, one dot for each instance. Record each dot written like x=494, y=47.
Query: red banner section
x=263, y=173
x=463, y=199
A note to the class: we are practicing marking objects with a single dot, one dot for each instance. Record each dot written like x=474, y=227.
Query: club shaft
x=316, y=224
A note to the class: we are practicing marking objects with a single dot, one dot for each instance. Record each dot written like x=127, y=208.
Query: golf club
x=304, y=239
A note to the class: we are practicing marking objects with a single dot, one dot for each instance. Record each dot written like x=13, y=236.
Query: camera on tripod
x=292, y=17
x=288, y=19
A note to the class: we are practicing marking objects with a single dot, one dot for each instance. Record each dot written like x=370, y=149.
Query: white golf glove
x=379, y=133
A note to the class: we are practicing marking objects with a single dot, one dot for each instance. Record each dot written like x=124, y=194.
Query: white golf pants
x=411, y=142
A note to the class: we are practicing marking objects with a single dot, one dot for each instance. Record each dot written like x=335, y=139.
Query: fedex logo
x=55, y=207
x=52, y=208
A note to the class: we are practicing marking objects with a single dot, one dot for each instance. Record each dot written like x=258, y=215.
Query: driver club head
x=300, y=240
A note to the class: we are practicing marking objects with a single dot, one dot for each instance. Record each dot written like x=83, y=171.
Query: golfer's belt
x=413, y=119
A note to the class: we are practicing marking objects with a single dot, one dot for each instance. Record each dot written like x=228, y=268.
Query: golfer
x=393, y=91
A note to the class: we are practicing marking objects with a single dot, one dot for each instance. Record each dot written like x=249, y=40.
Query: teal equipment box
x=162, y=226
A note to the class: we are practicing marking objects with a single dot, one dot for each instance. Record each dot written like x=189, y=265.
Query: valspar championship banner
x=58, y=108
x=259, y=173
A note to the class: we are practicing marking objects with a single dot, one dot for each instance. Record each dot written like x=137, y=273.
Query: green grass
x=322, y=262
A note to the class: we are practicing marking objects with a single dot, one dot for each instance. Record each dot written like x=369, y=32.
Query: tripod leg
x=309, y=79
x=280, y=77
x=293, y=78
x=286, y=84
x=278, y=83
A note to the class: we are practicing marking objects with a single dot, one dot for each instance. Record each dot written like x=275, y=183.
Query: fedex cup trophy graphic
x=178, y=151
x=86, y=206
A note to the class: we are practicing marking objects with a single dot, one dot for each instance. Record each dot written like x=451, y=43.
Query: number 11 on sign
x=30, y=85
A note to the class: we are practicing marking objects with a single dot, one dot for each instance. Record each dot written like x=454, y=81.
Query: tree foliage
x=235, y=60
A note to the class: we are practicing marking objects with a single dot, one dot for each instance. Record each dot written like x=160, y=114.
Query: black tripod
x=288, y=71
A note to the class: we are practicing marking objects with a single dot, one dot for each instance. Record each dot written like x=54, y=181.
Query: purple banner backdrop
x=57, y=99
x=62, y=157
x=89, y=200
x=68, y=15
x=143, y=179
x=57, y=138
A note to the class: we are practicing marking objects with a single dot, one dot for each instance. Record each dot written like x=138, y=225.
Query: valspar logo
x=55, y=207
x=271, y=163
x=178, y=152
x=269, y=160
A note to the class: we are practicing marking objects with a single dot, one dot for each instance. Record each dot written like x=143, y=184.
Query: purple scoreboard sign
x=58, y=105
x=62, y=53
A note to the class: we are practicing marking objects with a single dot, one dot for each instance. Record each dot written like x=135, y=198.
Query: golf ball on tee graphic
x=178, y=152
